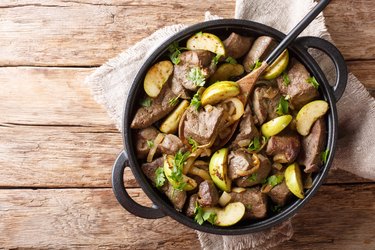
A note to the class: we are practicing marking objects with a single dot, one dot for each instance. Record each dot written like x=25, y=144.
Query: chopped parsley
x=248, y=206
x=276, y=208
x=216, y=59
x=196, y=101
x=282, y=107
x=159, y=177
x=146, y=102
x=324, y=155
x=231, y=60
x=313, y=82
x=193, y=144
x=275, y=180
x=286, y=79
x=202, y=216
x=253, y=177
x=173, y=101
x=254, y=144
x=256, y=65
x=196, y=76
x=178, y=164
x=175, y=52
x=150, y=143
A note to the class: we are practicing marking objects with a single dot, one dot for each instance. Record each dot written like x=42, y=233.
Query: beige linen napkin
x=111, y=82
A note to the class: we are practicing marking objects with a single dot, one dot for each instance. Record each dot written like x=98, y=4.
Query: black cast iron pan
x=298, y=49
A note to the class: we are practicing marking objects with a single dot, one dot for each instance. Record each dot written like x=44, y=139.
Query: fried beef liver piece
x=207, y=194
x=254, y=200
x=300, y=92
x=284, y=147
x=200, y=59
x=160, y=107
x=312, y=147
x=202, y=125
x=236, y=45
x=177, y=197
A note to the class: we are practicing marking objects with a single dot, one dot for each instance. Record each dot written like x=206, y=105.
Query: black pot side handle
x=123, y=196
x=336, y=57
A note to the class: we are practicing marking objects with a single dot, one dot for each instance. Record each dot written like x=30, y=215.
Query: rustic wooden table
x=57, y=144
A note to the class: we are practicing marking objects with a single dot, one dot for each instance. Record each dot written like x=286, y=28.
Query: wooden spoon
x=247, y=83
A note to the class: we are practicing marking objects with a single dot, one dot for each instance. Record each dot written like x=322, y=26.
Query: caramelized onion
x=200, y=172
x=159, y=138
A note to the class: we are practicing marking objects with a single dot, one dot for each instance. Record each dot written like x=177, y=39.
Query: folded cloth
x=111, y=82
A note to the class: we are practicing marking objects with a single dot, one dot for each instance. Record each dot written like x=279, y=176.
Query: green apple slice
x=308, y=114
x=219, y=92
x=206, y=41
x=293, y=180
x=229, y=215
x=277, y=67
x=276, y=125
x=218, y=168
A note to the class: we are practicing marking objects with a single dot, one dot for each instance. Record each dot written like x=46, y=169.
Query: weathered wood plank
x=50, y=156
x=336, y=218
x=48, y=96
x=57, y=156
x=363, y=70
x=57, y=96
x=65, y=131
x=88, y=32
x=66, y=33
x=352, y=27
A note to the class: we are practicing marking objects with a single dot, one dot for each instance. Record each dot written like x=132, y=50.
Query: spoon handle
x=296, y=31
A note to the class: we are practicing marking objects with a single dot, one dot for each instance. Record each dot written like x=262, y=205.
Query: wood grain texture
x=53, y=96
x=88, y=33
x=92, y=218
x=68, y=156
x=57, y=145
x=50, y=156
x=352, y=27
x=57, y=96
x=53, y=134
x=44, y=156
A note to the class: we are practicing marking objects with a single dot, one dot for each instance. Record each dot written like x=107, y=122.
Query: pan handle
x=123, y=196
x=336, y=57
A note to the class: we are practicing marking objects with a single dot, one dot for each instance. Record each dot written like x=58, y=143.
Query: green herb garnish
x=313, y=82
x=196, y=76
x=253, y=177
x=286, y=79
x=196, y=101
x=173, y=101
x=175, y=52
x=150, y=143
x=256, y=65
x=231, y=60
x=193, y=143
x=282, y=107
x=324, y=155
x=159, y=177
x=275, y=180
x=276, y=208
x=216, y=59
x=254, y=144
x=146, y=102
x=178, y=164
x=202, y=216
